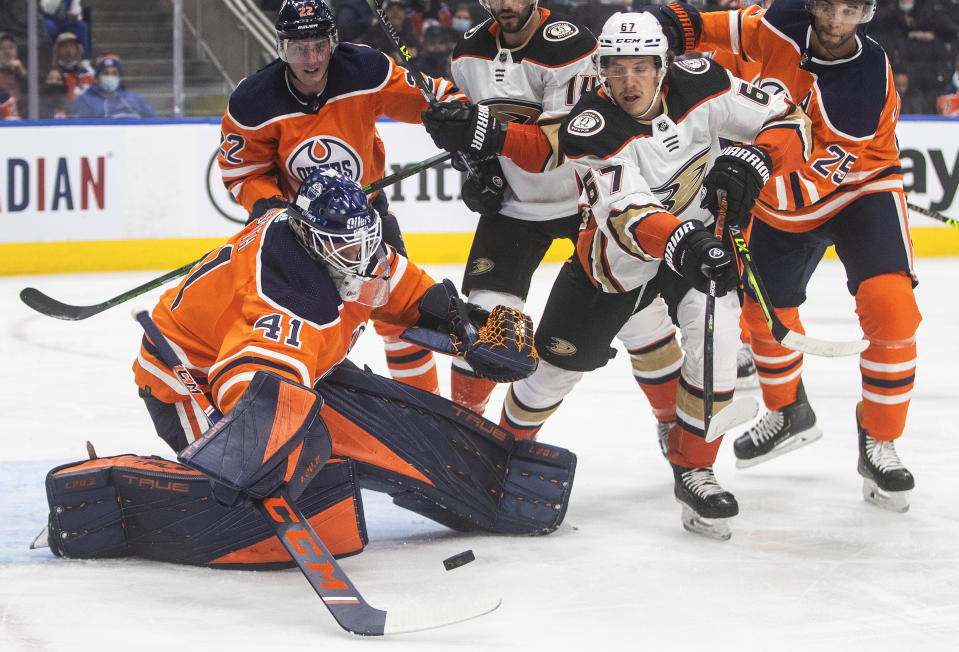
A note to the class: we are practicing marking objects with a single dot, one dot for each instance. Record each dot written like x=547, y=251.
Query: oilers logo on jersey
x=324, y=151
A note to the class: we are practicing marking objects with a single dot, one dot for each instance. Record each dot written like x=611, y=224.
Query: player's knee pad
x=489, y=299
x=726, y=342
x=442, y=461
x=273, y=436
x=887, y=309
x=157, y=509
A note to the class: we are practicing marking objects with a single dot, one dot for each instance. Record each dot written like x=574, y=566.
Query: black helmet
x=305, y=19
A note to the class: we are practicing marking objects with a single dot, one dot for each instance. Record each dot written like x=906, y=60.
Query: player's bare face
x=834, y=27
x=512, y=15
x=309, y=60
x=634, y=84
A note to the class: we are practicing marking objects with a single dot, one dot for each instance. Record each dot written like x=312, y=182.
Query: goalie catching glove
x=498, y=345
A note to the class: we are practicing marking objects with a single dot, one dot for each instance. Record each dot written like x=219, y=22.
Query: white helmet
x=631, y=35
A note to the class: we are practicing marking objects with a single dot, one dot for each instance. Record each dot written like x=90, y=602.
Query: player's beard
x=516, y=24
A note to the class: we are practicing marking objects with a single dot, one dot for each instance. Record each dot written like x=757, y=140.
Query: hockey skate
x=778, y=432
x=662, y=434
x=707, y=507
x=746, y=377
x=885, y=481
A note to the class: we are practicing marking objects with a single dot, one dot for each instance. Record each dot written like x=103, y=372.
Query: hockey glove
x=498, y=345
x=681, y=24
x=693, y=253
x=484, y=195
x=264, y=204
x=470, y=128
x=740, y=171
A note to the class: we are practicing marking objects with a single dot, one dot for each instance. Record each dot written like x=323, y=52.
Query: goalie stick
x=788, y=338
x=312, y=557
x=50, y=307
x=936, y=215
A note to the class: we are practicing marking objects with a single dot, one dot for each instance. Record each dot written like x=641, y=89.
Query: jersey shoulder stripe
x=853, y=93
x=694, y=81
x=597, y=127
x=266, y=95
x=286, y=269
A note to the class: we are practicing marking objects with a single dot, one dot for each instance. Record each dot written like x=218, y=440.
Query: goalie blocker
x=432, y=456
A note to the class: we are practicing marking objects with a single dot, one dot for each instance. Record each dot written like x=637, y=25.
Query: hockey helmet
x=630, y=34
x=333, y=220
x=842, y=9
x=303, y=19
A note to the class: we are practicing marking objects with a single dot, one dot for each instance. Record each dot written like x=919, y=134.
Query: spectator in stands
x=948, y=101
x=53, y=99
x=462, y=19
x=914, y=33
x=60, y=16
x=911, y=102
x=426, y=13
x=13, y=74
x=353, y=18
x=397, y=14
x=77, y=73
x=434, y=57
x=8, y=106
x=107, y=98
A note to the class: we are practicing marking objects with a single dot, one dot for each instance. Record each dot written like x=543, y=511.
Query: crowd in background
x=921, y=38
x=70, y=85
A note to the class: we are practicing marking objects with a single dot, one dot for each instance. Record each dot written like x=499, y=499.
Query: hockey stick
x=936, y=215
x=414, y=72
x=708, y=338
x=322, y=571
x=50, y=307
x=788, y=338
x=735, y=414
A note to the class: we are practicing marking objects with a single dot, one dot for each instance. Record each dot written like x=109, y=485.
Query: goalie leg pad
x=157, y=509
x=436, y=458
x=273, y=435
x=538, y=484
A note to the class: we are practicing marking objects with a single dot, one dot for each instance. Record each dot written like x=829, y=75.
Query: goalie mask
x=631, y=35
x=332, y=218
x=304, y=29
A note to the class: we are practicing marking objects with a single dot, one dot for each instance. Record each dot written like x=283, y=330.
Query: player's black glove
x=740, y=171
x=262, y=205
x=693, y=253
x=470, y=128
x=681, y=24
x=484, y=194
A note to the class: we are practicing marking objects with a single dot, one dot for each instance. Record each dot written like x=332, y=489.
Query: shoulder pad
x=791, y=19
x=596, y=127
x=853, y=94
x=477, y=41
x=293, y=280
x=356, y=67
x=690, y=82
x=558, y=42
x=262, y=96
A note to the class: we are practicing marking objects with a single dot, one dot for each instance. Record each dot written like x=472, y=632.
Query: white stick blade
x=420, y=617
x=735, y=414
x=812, y=346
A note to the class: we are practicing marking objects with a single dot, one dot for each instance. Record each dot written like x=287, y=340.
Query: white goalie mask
x=631, y=35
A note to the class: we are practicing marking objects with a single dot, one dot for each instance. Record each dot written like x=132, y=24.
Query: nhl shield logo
x=586, y=123
x=324, y=151
x=560, y=31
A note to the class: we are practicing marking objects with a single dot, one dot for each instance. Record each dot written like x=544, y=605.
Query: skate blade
x=40, y=541
x=894, y=501
x=713, y=528
x=791, y=444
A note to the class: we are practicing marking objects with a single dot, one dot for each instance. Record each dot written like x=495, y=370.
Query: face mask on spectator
x=907, y=6
x=462, y=24
x=109, y=83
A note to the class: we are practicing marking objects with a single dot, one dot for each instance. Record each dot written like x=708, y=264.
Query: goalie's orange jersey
x=851, y=102
x=260, y=302
x=272, y=137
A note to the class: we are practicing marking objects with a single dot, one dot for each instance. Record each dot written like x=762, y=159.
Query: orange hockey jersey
x=272, y=137
x=852, y=103
x=260, y=302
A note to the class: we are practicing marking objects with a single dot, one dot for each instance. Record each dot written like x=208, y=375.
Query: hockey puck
x=456, y=561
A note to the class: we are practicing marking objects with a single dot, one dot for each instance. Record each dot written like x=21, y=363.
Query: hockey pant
x=466, y=388
x=430, y=455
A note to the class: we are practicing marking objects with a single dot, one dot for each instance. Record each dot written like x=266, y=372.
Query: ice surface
x=810, y=565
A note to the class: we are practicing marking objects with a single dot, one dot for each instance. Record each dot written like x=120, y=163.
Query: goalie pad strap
x=157, y=509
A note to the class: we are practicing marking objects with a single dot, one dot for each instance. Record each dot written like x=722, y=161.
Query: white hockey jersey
x=636, y=175
x=535, y=83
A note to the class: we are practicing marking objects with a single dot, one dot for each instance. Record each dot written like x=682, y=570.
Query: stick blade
x=52, y=308
x=735, y=414
x=400, y=621
x=824, y=348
